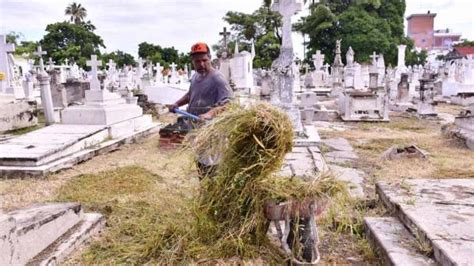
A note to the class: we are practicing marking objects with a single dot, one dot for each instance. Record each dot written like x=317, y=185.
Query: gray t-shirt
x=208, y=92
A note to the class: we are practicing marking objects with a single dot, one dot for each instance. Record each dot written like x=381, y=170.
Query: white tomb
x=101, y=107
x=241, y=69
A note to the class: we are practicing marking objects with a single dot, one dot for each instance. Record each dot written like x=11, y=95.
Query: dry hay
x=227, y=218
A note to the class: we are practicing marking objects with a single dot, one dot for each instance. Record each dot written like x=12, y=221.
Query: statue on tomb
x=349, y=57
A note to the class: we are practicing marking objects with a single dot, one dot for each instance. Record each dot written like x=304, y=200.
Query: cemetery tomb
x=463, y=127
x=463, y=98
x=363, y=106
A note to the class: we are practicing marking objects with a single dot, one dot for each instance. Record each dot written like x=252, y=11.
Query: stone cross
x=318, y=60
x=39, y=52
x=111, y=64
x=225, y=33
x=94, y=63
x=51, y=64
x=66, y=62
x=374, y=57
x=140, y=67
x=173, y=67
x=287, y=8
x=5, y=48
x=306, y=68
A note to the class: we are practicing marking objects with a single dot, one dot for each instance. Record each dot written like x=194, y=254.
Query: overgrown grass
x=447, y=159
x=135, y=203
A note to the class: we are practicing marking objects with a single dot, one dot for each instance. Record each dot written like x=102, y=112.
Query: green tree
x=73, y=41
x=76, y=12
x=262, y=26
x=148, y=50
x=416, y=58
x=120, y=58
x=25, y=48
x=366, y=25
x=14, y=37
x=165, y=56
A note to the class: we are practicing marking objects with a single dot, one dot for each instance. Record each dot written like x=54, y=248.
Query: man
x=208, y=88
x=208, y=92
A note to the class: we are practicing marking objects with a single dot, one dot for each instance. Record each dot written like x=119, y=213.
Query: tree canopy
x=76, y=12
x=262, y=26
x=165, y=56
x=22, y=47
x=119, y=57
x=366, y=25
x=73, y=41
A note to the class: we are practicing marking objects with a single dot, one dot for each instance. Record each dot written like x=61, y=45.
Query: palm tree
x=77, y=12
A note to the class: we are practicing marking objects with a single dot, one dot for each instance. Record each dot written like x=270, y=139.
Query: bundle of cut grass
x=229, y=211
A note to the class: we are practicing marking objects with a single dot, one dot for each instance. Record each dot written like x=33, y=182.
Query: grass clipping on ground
x=225, y=221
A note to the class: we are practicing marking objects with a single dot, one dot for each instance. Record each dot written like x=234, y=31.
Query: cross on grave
x=5, y=48
x=111, y=64
x=139, y=67
x=173, y=67
x=51, y=64
x=306, y=68
x=157, y=67
x=318, y=60
x=39, y=52
x=286, y=8
x=94, y=63
x=225, y=33
x=374, y=57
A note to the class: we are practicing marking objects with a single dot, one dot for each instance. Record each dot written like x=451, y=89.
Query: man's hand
x=171, y=107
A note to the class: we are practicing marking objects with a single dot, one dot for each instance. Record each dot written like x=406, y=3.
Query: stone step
x=438, y=211
x=394, y=242
x=45, y=234
x=27, y=232
x=92, y=224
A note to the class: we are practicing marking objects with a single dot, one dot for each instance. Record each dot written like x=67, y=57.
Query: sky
x=180, y=23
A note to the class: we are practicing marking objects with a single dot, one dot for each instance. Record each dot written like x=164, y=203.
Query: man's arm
x=182, y=101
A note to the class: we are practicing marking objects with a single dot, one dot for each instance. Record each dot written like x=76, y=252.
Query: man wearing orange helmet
x=208, y=87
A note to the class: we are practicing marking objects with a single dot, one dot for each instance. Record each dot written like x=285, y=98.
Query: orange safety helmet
x=200, y=48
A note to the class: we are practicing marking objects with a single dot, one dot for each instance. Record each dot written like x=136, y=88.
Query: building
x=444, y=39
x=420, y=29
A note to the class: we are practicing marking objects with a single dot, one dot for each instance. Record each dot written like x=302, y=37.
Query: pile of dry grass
x=228, y=216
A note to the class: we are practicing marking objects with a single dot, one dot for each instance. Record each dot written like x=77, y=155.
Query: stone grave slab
x=338, y=144
x=312, y=137
x=303, y=162
x=394, y=242
x=441, y=211
x=60, y=146
x=353, y=177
